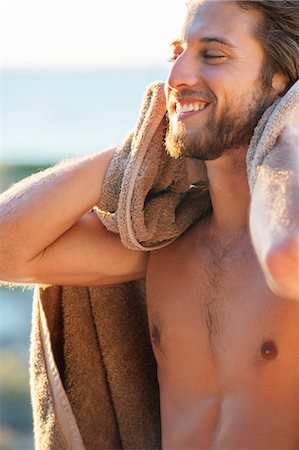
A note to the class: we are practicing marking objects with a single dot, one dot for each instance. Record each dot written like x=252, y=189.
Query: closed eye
x=214, y=58
x=206, y=56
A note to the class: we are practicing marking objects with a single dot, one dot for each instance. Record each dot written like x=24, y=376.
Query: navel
x=269, y=350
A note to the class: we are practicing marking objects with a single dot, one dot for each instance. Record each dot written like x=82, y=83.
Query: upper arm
x=86, y=254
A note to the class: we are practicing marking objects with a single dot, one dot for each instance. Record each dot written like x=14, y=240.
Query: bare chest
x=217, y=307
x=227, y=350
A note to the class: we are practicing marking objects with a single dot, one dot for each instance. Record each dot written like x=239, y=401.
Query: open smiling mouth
x=182, y=110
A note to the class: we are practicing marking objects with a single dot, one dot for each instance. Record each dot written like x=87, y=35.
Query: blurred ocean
x=47, y=116
x=15, y=408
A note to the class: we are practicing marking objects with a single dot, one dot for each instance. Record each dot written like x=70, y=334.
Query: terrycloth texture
x=100, y=343
x=55, y=426
x=46, y=428
x=268, y=130
x=93, y=374
x=146, y=196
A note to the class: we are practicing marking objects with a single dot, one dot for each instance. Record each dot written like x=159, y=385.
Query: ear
x=279, y=84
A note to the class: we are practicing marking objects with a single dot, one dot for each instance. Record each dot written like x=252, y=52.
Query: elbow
x=8, y=272
x=6, y=265
x=14, y=276
x=11, y=269
x=282, y=269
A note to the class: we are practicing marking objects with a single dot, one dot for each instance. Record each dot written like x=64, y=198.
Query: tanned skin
x=223, y=310
x=227, y=345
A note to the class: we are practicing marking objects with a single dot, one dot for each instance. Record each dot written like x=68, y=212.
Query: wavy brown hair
x=278, y=33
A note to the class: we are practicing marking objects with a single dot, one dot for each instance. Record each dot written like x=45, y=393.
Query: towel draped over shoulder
x=92, y=370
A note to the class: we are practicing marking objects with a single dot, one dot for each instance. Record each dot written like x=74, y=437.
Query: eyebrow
x=217, y=39
x=206, y=40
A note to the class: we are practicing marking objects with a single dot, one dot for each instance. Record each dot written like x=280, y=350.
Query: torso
x=227, y=348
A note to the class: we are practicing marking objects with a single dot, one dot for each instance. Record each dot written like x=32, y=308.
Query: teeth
x=189, y=107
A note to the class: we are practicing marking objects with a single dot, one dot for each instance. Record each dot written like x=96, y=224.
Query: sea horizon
x=53, y=114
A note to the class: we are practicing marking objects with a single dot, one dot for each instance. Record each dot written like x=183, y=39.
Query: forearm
x=40, y=209
x=274, y=215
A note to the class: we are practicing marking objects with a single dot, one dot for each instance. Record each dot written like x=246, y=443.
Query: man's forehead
x=206, y=11
x=217, y=17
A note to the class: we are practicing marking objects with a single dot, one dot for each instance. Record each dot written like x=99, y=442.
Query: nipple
x=269, y=350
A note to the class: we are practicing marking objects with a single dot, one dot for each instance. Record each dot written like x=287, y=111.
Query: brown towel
x=105, y=394
x=268, y=130
x=147, y=197
x=93, y=374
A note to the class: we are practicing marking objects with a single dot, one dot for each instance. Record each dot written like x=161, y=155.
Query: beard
x=216, y=137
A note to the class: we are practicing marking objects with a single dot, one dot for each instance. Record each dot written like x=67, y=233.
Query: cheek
x=218, y=78
x=225, y=81
x=220, y=83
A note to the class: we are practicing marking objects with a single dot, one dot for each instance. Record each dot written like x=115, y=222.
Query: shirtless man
x=223, y=311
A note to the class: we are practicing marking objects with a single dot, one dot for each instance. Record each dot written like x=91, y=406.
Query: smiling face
x=215, y=90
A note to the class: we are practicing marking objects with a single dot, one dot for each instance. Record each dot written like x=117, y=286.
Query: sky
x=87, y=33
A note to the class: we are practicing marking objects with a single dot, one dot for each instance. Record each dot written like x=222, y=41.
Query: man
x=224, y=319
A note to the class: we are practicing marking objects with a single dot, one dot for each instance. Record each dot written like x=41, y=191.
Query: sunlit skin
x=223, y=321
x=227, y=93
x=226, y=346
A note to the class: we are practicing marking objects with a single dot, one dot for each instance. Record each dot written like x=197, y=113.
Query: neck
x=229, y=192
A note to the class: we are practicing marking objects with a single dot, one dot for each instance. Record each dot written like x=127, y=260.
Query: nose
x=184, y=72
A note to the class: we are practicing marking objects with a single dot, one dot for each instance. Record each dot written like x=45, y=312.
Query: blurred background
x=73, y=73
